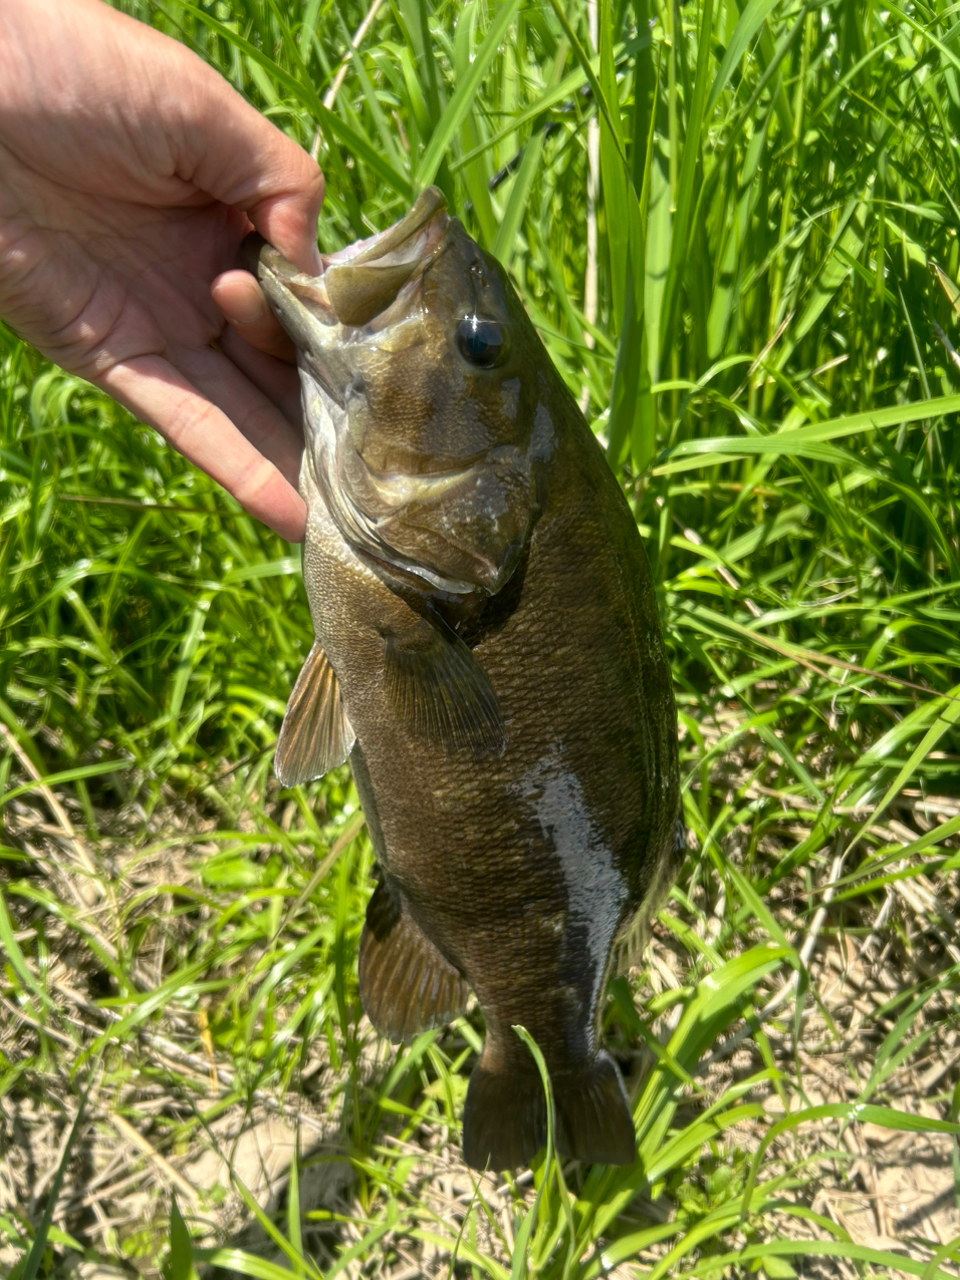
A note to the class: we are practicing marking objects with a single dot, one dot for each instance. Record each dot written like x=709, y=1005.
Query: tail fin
x=505, y=1116
x=594, y=1119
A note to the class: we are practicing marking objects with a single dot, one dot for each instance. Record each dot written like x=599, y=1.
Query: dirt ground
x=887, y=1189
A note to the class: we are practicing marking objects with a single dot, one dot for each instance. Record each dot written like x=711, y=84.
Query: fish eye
x=481, y=342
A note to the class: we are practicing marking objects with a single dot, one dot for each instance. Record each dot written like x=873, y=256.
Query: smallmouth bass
x=488, y=656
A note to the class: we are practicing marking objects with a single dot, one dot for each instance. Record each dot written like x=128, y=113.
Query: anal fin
x=316, y=735
x=437, y=687
x=505, y=1115
x=406, y=985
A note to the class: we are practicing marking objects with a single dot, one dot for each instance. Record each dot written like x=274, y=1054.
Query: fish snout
x=365, y=282
x=261, y=259
x=248, y=255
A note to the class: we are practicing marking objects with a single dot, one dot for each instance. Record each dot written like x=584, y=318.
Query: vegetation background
x=722, y=217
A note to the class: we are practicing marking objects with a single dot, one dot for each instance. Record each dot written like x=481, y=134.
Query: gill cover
x=421, y=428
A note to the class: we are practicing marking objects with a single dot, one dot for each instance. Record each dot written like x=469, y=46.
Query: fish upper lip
x=412, y=242
x=455, y=471
x=418, y=486
x=426, y=221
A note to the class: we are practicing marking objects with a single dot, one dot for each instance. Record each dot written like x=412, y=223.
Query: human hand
x=129, y=173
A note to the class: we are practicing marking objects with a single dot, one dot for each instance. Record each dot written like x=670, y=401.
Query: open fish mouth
x=359, y=284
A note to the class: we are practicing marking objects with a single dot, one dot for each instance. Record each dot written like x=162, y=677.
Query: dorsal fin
x=316, y=735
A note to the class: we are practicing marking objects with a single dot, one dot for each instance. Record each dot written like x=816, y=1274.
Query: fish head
x=426, y=430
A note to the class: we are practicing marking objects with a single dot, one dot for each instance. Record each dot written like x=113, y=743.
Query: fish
x=488, y=657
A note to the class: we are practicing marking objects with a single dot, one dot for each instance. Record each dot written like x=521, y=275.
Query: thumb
x=289, y=221
x=237, y=156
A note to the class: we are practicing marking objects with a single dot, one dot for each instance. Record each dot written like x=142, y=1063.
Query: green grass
x=180, y=937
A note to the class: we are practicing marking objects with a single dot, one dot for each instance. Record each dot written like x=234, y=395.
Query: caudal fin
x=593, y=1115
x=505, y=1116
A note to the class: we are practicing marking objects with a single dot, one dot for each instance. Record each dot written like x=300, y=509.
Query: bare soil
x=887, y=1189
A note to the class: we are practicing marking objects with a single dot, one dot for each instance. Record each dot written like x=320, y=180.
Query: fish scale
x=488, y=655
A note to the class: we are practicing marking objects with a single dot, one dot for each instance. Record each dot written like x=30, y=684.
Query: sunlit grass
x=764, y=370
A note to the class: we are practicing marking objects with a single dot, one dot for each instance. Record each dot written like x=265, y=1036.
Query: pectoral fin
x=437, y=687
x=316, y=735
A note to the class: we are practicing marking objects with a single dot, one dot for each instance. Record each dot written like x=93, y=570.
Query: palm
x=105, y=280
x=124, y=176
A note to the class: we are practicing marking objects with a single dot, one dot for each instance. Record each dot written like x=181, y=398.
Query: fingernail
x=250, y=313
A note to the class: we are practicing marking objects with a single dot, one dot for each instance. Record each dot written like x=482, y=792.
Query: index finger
x=242, y=301
x=164, y=399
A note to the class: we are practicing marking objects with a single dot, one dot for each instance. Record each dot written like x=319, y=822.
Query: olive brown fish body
x=488, y=653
